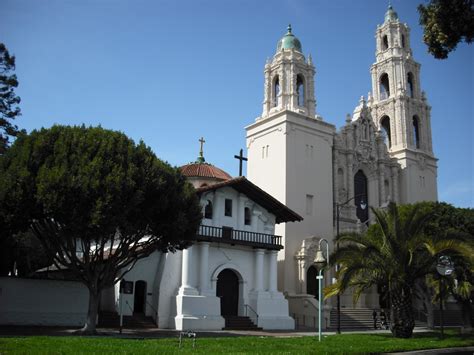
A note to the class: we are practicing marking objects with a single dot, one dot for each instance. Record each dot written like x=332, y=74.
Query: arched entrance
x=312, y=285
x=139, y=297
x=228, y=292
x=361, y=197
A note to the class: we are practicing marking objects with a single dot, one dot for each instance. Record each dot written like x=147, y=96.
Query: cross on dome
x=201, y=159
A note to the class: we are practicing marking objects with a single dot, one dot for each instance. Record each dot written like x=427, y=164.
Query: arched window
x=247, y=216
x=361, y=197
x=340, y=178
x=387, y=190
x=410, y=84
x=208, y=210
x=276, y=90
x=403, y=41
x=385, y=125
x=384, y=87
x=385, y=42
x=300, y=89
x=312, y=285
x=416, y=132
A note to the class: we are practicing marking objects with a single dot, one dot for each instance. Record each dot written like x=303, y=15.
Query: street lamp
x=362, y=205
x=445, y=267
x=320, y=261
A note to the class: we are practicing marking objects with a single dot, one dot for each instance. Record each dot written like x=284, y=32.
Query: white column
x=273, y=271
x=395, y=184
x=258, y=275
x=204, y=267
x=187, y=273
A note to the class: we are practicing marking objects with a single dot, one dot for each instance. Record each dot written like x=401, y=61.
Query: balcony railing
x=233, y=236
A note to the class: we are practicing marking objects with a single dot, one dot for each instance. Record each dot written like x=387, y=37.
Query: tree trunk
x=91, y=321
x=427, y=297
x=430, y=318
x=402, y=322
x=466, y=316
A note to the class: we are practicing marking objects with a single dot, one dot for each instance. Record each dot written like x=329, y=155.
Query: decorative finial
x=201, y=159
x=289, y=28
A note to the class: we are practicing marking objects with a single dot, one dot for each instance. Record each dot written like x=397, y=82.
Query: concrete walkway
x=11, y=331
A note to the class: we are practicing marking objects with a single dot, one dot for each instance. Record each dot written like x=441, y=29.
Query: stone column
x=350, y=176
x=258, y=274
x=187, y=281
x=204, y=267
x=395, y=196
x=381, y=185
x=272, y=285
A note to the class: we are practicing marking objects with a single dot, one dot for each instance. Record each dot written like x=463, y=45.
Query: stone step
x=239, y=323
x=112, y=320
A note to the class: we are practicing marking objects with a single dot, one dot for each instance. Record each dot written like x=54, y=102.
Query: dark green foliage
x=9, y=109
x=96, y=201
x=394, y=254
x=446, y=222
x=446, y=23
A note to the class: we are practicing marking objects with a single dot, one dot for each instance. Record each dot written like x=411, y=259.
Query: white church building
x=257, y=242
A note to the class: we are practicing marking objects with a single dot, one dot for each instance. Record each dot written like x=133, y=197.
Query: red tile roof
x=204, y=170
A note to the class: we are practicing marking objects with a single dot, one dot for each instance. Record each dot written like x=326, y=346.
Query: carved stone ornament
x=421, y=161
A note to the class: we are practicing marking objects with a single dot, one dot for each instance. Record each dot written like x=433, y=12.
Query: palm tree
x=395, y=253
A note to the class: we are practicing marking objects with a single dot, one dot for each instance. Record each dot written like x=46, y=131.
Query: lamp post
x=445, y=267
x=363, y=205
x=320, y=261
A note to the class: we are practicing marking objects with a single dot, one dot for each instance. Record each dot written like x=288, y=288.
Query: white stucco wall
x=299, y=164
x=42, y=302
x=144, y=270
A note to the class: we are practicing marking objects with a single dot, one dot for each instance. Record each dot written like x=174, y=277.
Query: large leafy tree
x=9, y=101
x=395, y=252
x=448, y=220
x=446, y=23
x=96, y=201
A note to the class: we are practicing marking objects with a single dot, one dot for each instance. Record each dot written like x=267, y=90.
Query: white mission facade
x=383, y=153
x=259, y=236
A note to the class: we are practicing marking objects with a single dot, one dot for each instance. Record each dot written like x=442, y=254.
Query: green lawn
x=345, y=343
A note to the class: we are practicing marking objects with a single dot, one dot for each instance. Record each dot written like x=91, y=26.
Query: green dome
x=289, y=41
x=391, y=14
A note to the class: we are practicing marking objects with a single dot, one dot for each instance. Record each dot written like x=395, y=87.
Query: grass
x=344, y=343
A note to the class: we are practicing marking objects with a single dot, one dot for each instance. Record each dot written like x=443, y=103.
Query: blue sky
x=169, y=72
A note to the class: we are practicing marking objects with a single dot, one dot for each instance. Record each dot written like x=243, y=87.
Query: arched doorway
x=312, y=285
x=228, y=292
x=361, y=197
x=139, y=297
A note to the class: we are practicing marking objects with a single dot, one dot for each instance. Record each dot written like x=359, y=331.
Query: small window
x=208, y=210
x=276, y=91
x=384, y=87
x=416, y=132
x=300, y=90
x=403, y=41
x=410, y=84
x=385, y=124
x=228, y=207
x=385, y=42
x=309, y=205
x=247, y=216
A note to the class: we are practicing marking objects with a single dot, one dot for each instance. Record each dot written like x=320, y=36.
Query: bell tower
x=289, y=79
x=401, y=112
x=289, y=151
